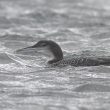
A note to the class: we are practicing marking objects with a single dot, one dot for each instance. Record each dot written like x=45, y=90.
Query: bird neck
x=57, y=54
x=54, y=61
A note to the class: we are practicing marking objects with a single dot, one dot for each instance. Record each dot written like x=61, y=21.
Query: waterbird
x=52, y=50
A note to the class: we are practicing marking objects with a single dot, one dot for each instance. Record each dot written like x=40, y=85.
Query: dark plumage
x=53, y=50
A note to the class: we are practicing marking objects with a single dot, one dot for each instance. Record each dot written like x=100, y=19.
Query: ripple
x=92, y=88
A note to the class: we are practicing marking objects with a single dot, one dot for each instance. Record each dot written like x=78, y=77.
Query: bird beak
x=31, y=49
x=27, y=49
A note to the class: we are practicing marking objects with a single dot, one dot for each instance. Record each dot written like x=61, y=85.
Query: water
x=80, y=27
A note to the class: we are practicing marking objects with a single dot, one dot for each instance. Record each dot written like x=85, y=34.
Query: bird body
x=82, y=61
x=53, y=50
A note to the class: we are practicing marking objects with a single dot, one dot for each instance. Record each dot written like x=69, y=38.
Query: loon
x=54, y=51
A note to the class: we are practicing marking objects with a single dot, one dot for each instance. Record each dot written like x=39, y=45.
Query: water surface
x=81, y=27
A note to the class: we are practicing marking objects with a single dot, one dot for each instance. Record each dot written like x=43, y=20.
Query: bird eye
x=43, y=44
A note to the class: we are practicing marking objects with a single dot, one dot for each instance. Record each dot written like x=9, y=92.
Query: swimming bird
x=54, y=51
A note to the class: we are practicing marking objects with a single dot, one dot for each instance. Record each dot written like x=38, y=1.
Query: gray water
x=80, y=27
